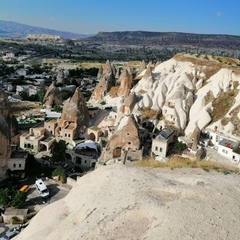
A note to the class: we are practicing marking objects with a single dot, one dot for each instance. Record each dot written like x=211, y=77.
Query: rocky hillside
x=10, y=29
x=120, y=202
x=188, y=92
x=168, y=39
x=8, y=128
x=163, y=45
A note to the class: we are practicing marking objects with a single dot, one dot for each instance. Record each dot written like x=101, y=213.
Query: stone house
x=22, y=88
x=21, y=214
x=33, y=90
x=125, y=137
x=67, y=131
x=161, y=142
x=17, y=160
x=225, y=146
x=31, y=141
x=50, y=126
x=84, y=154
x=229, y=149
x=92, y=111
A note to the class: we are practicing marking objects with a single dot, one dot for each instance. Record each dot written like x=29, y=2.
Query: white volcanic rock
x=160, y=96
x=142, y=67
x=199, y=84
x=183, y=86
x=146, y=83
x=198, y=114
x=228, y=128
x=130, y=203
x=147, y=101
x=221, y=81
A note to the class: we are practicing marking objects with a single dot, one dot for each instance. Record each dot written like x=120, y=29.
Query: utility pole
x=125, y=157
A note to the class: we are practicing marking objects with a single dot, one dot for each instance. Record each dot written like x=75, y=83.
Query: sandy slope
x=120, y=202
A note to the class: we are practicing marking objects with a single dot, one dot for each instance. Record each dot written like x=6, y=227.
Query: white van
x=42, y=189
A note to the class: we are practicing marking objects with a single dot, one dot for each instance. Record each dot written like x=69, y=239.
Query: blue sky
x=92, y=16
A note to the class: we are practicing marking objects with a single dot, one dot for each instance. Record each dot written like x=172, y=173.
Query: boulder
x=52, y=97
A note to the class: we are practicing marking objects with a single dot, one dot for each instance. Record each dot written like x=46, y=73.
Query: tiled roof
x=229, y=143
x=165, y=134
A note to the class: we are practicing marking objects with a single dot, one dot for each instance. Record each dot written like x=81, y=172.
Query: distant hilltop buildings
x=43, y=37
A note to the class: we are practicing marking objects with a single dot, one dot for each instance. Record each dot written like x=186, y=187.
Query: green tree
x=18, y=199
x=60, y=172
x=18, y=82
x=4, y=197
x=12, y=198
x=57, y=108
x=59, y=151
x=24, y=95
x=36, y=68
x=66, y=94
x=32, y=166
x=41, y=93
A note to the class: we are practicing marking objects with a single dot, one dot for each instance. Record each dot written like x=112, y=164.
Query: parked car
x=25, y=188
x=47, y=163
x=10, y=234
x=42, y=188
x=70, y=170
x=64, y=165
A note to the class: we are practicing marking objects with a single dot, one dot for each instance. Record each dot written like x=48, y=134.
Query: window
x=14, y=165
x=20, y=165
x=160, y=149
x=156, y=148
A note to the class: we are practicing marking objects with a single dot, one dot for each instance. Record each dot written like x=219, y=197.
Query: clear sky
x=93, y=16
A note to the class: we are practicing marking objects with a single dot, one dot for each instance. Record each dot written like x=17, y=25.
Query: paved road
x=57, y=191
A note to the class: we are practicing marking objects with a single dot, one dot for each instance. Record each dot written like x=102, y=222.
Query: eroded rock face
x=75, y=110
x=52, y=97
x=8, y=128
x=100, y=72
x=107, y=80
x=126, y=136
x=129, y=104
x=141, y=67
x=118, y=73
x=126, y=82
x=146, y=83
